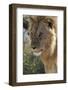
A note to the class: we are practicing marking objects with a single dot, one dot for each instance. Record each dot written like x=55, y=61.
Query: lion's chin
x=37, y=53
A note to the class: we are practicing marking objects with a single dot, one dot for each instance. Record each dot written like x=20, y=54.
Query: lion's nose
x=33, y=47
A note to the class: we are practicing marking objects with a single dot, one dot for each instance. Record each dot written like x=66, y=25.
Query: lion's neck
x=49, y=61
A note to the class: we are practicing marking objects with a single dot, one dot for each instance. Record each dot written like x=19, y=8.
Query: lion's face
x=42, y=34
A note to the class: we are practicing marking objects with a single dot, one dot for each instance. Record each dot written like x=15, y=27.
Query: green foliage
x=31, y=64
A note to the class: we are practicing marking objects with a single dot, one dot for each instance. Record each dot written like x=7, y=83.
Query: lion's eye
x=28, y=33
x=40, y=34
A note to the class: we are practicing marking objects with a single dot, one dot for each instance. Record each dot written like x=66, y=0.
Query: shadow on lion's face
x=42, y=34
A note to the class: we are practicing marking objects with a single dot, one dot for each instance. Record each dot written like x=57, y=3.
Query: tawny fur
x=46, y=47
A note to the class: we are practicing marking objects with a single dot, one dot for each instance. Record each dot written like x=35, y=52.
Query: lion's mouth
x=37, y=52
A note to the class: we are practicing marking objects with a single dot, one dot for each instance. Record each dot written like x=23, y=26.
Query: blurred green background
x=31, y=63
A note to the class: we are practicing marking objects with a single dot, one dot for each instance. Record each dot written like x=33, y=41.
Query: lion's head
x=42, y=34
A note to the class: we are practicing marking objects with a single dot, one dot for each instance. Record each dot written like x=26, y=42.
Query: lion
x=43, y=35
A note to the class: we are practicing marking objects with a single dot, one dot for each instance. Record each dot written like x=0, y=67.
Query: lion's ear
x=25, y=24
x=50, y=23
